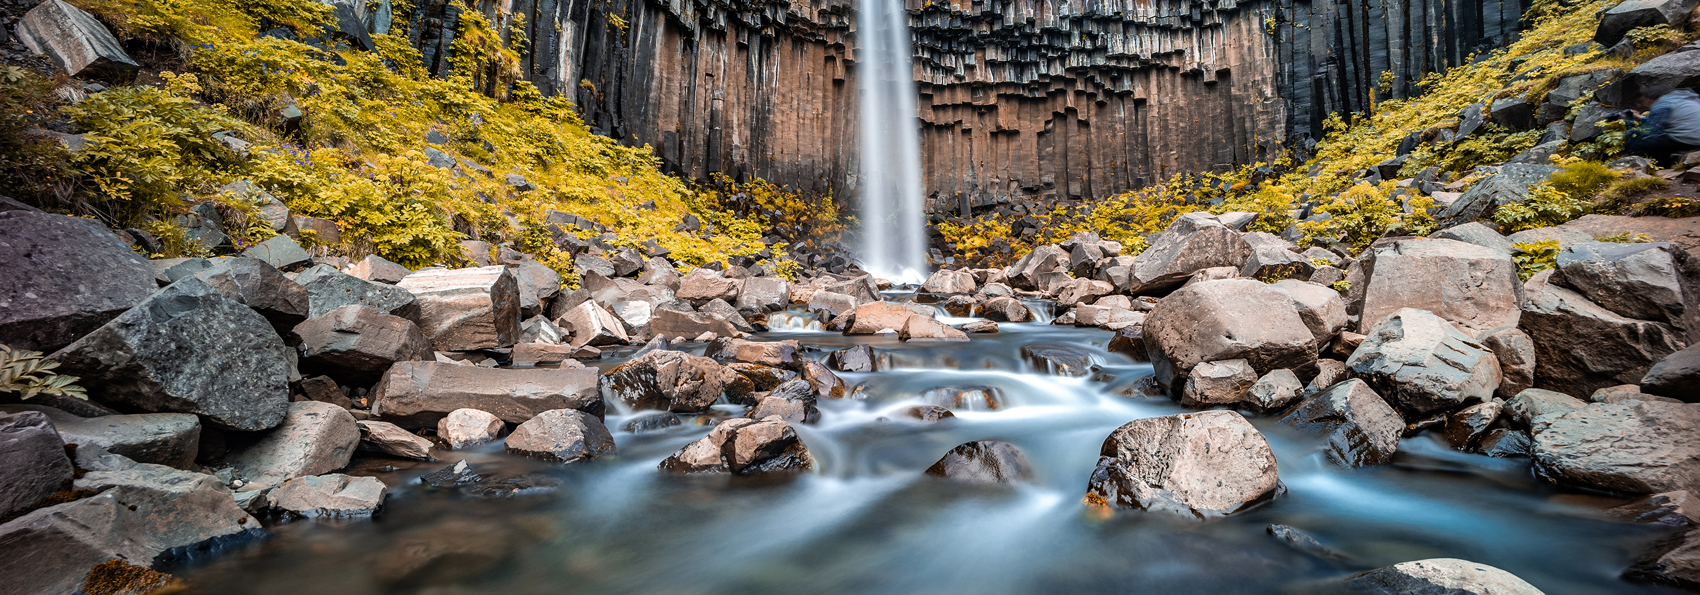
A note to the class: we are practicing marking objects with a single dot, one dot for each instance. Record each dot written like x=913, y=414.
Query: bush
x=1669, y=206
x=1544, y=207
x=1582, y=179
x=1534, y=257
x=1620, y=193
x=1358, y=216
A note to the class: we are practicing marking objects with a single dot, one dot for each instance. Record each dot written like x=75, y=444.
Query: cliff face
x=1018, y=99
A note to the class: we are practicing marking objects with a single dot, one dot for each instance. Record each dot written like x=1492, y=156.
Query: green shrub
x=1364, y=212
x=1582, y=179
x=1619, y=194
x=1669, y=206
x=1544, y=207
x=1534, y=257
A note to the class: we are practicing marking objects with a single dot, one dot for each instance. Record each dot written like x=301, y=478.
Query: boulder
x=724, y=311
x=948, y=282
x=468, y=427
x=1581, y=347
x=33, y=464
x=825, y=383
x=187, y=349
x=1274, y=263
x=357, y=344
x=586, y=263
x=863, y=289
x=627, y=262
x=1674, y=560
x=1130, y=341
x=793, y=401
x=1006, y=309
x=1618, y=21
x=1083, y=291
x=1223, y=320
x=1422, y=364
x=1273, y=392
x=1059, y=360
x=1509, y=185
x=281, y=252
x=391, y=439
x=64, y=277
x=1362, y=429
x=1655, y=281
x=418, y=394
x=537, y=285
x=1629, y=447
x=1196, y=465
x=259, y=286
x=778, y=354
x=74, y=41
x=1466, y=426
x=701, y=285
x=1536, y=409
x=315, y=438
x=877, y=317
x=329, y=289
x=1043, y=260
x=1474, y=286
x=673, y=323
x=1105, y=317
x=561, y=435
x=763, y=294
x=860, y=358
x=1321, y=308
x=329, y=496
x=376, y=269
x=1449, y=576
x=1178, y=252
x=674, y=381
x=743, y=446
x=170, y=439
x=983, y=462
x=833, y=304
x=1218, y=383
x=922, y=328
x=1516, y=354
x=591, y=324
x=1676, y=376
x=466, y=309
x=1477, y=233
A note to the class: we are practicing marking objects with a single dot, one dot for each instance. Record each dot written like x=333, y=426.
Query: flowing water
x=868, y=521
x=893, y=237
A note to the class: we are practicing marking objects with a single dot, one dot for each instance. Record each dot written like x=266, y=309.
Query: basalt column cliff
x=1018, y=98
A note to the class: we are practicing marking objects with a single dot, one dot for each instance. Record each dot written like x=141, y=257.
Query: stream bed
x=867, y=520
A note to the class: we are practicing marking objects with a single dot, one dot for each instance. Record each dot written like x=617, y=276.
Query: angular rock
x=329, y=496
x=417, y=394
x=743, y=447
x=833, y=304
x=1655, y=281
x=1422, y=364
x=1510, y=185
x=701, y=285
x=259, y=286
x=1322, y=309
x=468, y=427
x=928, y=413
x=64, y=277
x=826, y=384
x=1198, y=465
x=315, y=438
x=1674, y=560
x=74, y=41
x=1006, y=309
x=1083, y=291
x=1274, y=263
x=590, y=324
x=1130, y=342
x=1618, y=21
x=674, y=381
x=1670, y=509
x=281, y=252
x=859, y=358
x=1060, y=360
x=1676, y=376
x=763, y=294
x=922, y=328
x=1536, y=409
x=1450, y=576
x=673, y=323
x=1273, y=392
x=948, y=282
x=986, y=462
x=778, y=354
x=170, y=439
x=1465, y=283
x=329, y=289
x=376, y=269
x=563, y=436
x=793, y=401
x=1362, y=429
x=877, y=317
x=586, y=263
x=1503, y=443
x=1516, y=354
x=1218, y=383
x=1581, y=347
x=1026, y=273
x=187, y=349
x=1175, y=255
x=1476, y=233
x=724, y=311
x=35, y=465
x=1465, y=427
x=466, y=309
x=392, y=440
x=537, y=285
x=357, y=344
x=1630, y=447
x=1223, y=320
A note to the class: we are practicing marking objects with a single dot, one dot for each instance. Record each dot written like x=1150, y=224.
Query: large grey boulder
x=674, y=381
x=315, y=438
x=983, y=462
x=562, y=435
x=1440, y=576
x=1655, y=281
x=357, y=344
x=950, y=282
x=1322, y=308
x=1422, y=364
x=1629, y=447
x=794, y=401
x=187, y=349
x=1676, y=376
x=329, y=289
x=1581, y=347
x=73, y=40
x=690, y=325
x=281, y=252
x=377, y=269
x=591, y=324
x=466, y=309
x=1028, y=272
x=1187, y=246
x=418, y=394
x=1218, y=383
x=1618, y=21
x=743, y=446
x=332, y=495
x=170, y=439
x=63, y=277
x=1274, y=392
x=469, y=427
x=1509, y=185
x=763, y=294
x=1195, y=465
x=537, y=285
x=1516, y=354
x=1224, y=320
x=1362, y=429
x=258, y=285
x=1477, y=233
x=701, y=285
x=33, y=464
x=1677, y=68
x=1536, y=408
x=1472, y=285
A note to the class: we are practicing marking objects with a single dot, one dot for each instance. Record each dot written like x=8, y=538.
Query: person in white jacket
x=1671, y=125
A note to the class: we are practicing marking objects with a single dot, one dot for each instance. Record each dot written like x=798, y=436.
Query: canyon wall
x=1019, y=99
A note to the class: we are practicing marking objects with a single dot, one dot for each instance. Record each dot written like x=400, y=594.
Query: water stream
x=893, y=234
x=867, y=520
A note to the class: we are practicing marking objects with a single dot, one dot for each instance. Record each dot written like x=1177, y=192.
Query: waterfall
x=894, y=236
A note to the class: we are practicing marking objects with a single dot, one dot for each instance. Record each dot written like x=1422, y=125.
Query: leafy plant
x=1620, y=193
x=1357, y=216
x=1534, y=257
x=1544, y=207
x=1582, y=179
x=1669, y=206
x=26, y=374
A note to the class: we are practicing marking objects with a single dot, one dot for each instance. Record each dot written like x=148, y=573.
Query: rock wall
x=1019, y=99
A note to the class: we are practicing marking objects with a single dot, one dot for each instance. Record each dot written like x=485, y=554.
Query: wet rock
x=64, y=276
x=1328, y=372
x=1130, y=341
x=1006, y=309
x=1422, y=364
x=74, y=41
x=778, y=354
x=1467, y=425
x=833, y=304
x=1362, y=429
x=329, y=289
x=983, y=462
x=701, y=285
x=1321, y=308
x=376, y=269
x=650, y=421
x=466, y=309
x=591, y=324
x=1061, y=360
x=281, y=252
x=187, y=349
x=928, y=413
x=1441, y=575
x=674, y=324
x=1630, y=447
x=878, y=317
x=965, y=398
x=1465, y=283
x=259, y=286
x=329, y=496
x=1303, y=542
x=561, y=435
x=1674, y=560
x=468, y=427
x=357, y=344
x=324, y=389
x=169, y=439
x=859, y=358
x=826, y=384
x=1223, y=320
x=674, y=381
x=315, y=438
x=948, y=282
x=1655, y=281
x=1183, y=249
x=922, y=328
x=417, y=394
x=980, y=327
x=793, y=401
x=1273, y=392
x=743, y=446
x=1108, y=318
x=392, y=440
x=1199, y=465
x=1502, y=443
x=1581, y=347
x=1218, y=383
x=35, y=465
x=1624, y=392
x=1536, y=408
x=1516, y=354
x=1676, y=376
x=1670, y=509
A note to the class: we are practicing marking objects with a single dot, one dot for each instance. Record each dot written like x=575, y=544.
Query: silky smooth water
x=893, y=233
x=867, y=520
